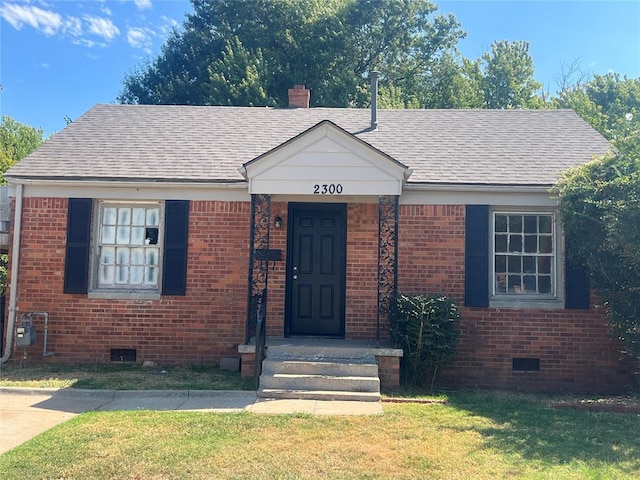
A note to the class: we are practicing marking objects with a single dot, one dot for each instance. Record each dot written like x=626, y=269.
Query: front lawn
x=473, y=436
x=122, y=376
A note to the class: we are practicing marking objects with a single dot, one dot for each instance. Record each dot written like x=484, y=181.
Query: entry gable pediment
x=325, y=160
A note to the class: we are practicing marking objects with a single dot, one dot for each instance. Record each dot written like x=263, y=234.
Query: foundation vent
x=526, y=364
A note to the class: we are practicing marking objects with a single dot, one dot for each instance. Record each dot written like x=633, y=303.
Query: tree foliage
x=609, y=103
x=600, y=210
x=17, y=140
x=251, y=52
x=507, y=79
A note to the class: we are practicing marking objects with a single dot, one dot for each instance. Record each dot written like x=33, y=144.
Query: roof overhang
x=325, y=160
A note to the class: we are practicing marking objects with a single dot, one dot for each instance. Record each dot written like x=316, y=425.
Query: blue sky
x=59, y=58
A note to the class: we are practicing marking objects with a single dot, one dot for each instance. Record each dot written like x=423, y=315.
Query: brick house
x=147, y=233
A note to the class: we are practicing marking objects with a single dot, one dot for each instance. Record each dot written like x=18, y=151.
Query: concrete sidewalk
x=26, y=412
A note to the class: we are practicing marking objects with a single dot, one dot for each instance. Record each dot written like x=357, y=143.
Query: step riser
x=320, y=382
x=316, y=352
x=319, y=368
x=318, y=395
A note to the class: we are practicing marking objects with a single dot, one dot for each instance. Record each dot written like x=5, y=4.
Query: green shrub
x=426, y=327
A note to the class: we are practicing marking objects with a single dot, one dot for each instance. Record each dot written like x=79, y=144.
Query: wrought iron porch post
x=258, y=263
x=387, y=257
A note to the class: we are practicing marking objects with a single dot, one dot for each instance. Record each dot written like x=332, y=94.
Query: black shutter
x=76, y=264
x=576, y=278
x=476, y=257
x=176, y=227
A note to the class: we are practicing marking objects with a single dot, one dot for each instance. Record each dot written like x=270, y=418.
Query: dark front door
x=316, y=267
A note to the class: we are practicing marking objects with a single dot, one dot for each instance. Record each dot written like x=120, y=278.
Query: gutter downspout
x=15, y=261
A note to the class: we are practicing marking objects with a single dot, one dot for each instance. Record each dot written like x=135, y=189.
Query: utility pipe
x=15, y=262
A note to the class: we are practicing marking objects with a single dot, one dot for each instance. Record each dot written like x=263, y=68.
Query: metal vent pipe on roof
x=374, y=100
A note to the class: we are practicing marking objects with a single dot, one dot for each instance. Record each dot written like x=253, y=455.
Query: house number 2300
x=327, y=189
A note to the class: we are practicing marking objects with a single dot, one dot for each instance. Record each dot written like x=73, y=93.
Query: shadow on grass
x=526, y=426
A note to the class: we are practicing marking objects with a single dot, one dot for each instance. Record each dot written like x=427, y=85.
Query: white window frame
x=553, y=299
x=124, y=290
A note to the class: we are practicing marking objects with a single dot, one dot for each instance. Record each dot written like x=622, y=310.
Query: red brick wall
x=573, y=346
x=201, y=327
x=209, y=322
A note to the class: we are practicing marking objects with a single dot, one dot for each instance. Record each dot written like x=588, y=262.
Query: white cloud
x=102, y=27
x=140, y=37
x=143, y=4
x=44, y=65
x=168, y=24
x=73, y=26
x=17, y=16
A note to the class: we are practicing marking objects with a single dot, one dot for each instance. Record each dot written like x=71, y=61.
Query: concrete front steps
x=319, y=374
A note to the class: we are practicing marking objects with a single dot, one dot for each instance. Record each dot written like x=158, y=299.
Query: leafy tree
x=609, y=103
x=251, y=52
x=17, y=140
x=507, y=79
x=600, y=209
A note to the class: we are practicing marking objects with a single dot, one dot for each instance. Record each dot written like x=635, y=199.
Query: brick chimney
x=299, y=97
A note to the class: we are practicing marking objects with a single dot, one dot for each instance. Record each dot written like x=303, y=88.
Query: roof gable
x=325, y=160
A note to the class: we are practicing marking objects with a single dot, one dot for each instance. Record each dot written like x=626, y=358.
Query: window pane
x=122, y=255
x=107, y=274
x=152, y=256
x=544, y=284
x=501, y=263
x=501, y=283
x=529, y=264
x=544, y=264
x=137, y=256
x=515, y=243
x=124, y=216
x=150, y=276
x=514, y=284
x=122, y=274
x=109, y=216
x=531, y=243
x=109, y=235
x=545, y=244
x=123, y=236
x=501, y=223
x=108, y=255
x=515, y=223
x=138, y=217
x=514, y=264
x=136, y=275
x=137, y=236
x=153, y=217
x=501, y=243
x=545, y=223
x=529, y=283
x=530, y=224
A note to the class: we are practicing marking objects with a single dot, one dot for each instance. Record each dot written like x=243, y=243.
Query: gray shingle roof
x=190, y=143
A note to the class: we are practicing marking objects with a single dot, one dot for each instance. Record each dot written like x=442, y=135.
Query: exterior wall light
x=277, y=222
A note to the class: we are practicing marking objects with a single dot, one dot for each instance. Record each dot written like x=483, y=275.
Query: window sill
x=527, y=303
x=124, y=294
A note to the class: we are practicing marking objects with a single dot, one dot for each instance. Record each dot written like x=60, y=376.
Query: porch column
x=387, y=258
x=258, y=258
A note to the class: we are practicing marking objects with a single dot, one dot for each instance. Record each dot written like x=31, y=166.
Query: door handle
x=295, y=277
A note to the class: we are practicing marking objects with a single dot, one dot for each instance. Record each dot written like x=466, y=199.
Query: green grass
x=122, y=376
x=473, y=436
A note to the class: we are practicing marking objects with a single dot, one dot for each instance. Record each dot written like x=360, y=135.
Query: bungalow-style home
x=162, y=233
